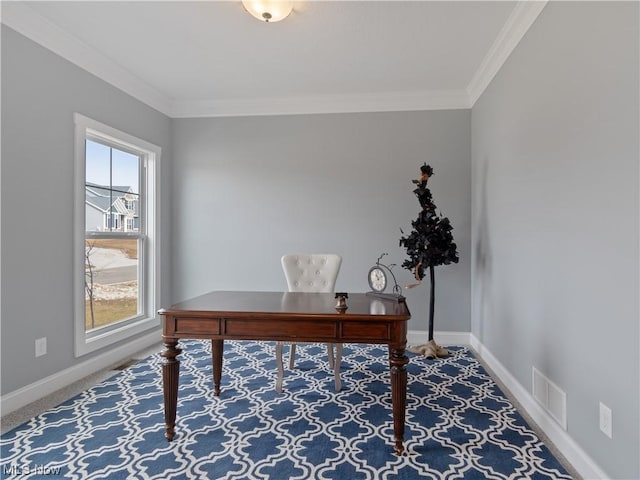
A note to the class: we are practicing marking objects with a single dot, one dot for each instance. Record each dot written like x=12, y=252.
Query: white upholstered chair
x=310, y=273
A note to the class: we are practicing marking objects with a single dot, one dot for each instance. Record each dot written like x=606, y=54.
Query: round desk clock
x=378, y=279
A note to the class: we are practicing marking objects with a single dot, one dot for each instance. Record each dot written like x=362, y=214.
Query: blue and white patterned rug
x=459, y=424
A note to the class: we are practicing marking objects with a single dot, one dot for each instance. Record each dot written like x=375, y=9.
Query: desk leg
x=217, y=347
x=170, y=373
x=398, y=363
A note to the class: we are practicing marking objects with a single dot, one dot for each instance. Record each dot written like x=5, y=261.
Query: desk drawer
x=366, y=331
x=285, y=329
x=197, y=326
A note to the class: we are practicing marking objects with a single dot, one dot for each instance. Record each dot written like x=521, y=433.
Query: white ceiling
x=211, y=58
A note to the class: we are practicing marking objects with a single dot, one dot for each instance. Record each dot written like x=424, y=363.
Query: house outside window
x=117, y=244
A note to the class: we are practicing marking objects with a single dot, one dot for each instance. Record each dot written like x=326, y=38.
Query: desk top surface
x=234, y=303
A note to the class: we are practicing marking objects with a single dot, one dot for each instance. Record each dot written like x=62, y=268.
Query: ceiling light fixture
x=268, y=10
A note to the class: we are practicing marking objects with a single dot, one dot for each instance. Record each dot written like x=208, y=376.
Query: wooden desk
x=299, y=317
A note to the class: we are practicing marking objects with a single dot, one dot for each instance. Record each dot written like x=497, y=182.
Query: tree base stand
x=429, y=350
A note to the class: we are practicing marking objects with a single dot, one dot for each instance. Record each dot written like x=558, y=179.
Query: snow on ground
x=114, y=291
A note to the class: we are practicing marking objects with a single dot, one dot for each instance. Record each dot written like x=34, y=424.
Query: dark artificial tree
x=429, y=244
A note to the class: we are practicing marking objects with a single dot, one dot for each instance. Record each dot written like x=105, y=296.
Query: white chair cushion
x=311, y=272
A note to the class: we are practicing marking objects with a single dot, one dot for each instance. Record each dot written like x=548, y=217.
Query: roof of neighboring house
x=102, y=197
x=104, y=190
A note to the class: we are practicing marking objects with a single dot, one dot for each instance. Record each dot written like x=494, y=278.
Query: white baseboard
x=577, y=457
x=40, y=389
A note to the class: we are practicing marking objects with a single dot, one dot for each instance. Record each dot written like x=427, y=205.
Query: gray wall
x=40, y=93
x=248, y=190
x=555, y=218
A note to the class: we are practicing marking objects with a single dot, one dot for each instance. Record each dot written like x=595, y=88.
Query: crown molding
x=26, y=21
x=354, y=103
x=20, y=17
x=524, y=14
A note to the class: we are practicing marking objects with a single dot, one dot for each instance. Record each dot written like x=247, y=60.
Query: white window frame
x=148, y=265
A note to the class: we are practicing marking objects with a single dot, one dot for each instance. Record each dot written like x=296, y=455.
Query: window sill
x=87, y=344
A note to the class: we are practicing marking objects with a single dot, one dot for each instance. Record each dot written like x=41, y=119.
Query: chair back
x=311, y=272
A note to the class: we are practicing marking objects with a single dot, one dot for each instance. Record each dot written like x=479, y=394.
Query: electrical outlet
x=41, y=346
x=606, y=420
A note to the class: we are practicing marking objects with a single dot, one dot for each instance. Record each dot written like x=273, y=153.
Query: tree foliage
x=430, y=243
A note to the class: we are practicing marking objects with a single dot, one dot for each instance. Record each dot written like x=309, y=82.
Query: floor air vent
x=551, y=397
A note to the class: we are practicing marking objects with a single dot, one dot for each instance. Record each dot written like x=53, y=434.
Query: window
x=116, y=236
